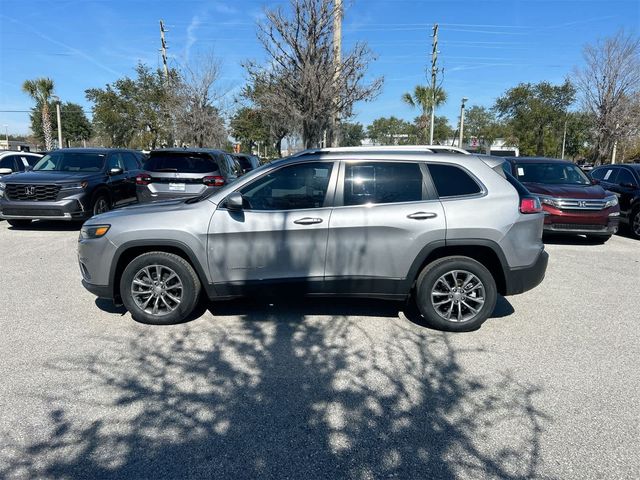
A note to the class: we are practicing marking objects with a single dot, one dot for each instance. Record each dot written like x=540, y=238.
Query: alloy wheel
x=157, y=290
x=101, y=206
x=458, y=296
x=636, y=224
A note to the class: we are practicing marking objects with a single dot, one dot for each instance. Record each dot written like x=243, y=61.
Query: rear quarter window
x=181, y=162
x=452, y=181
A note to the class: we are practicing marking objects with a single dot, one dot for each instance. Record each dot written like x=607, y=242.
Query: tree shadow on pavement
x=281, y=395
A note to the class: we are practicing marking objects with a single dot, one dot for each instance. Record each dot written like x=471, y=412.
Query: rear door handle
x=422, y=215
x=307, y=221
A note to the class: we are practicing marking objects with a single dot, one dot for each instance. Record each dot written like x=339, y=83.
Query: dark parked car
x=70, y=184
x=571, y=201
x=624, y=181
x=175, y=173
x=247, y=162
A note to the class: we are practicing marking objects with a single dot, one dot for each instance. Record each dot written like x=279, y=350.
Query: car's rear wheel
x=634, y=223
x=100, y=204
x=455, y=294
x=19, y=223
x=159, y=288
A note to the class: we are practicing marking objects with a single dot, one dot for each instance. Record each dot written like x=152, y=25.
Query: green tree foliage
x=536, y=113
x=134, y=112
x=248, y=128
x=75, y=124
x=579, y=135
x=482, y=124
x=41, y=90
x=352, y=134
x=423, y=97
x=391, y=131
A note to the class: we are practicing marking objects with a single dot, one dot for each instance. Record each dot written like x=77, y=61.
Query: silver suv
x=449, y=231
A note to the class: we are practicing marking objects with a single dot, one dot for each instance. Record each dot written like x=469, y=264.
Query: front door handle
x=307, y=221
x=422, y=215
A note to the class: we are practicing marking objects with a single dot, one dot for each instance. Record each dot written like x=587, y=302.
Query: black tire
x=598, y=239
x=186, y=275
x=429, y=284
x=634, y=224
x=100, y=204
x=19, y=223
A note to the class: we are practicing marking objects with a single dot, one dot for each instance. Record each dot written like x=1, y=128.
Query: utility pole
x=464, y=99
x=434, y=72
x=57, y=100
x=615, y=146
x=164, y=50
x=337, y=61
x=564, y=138
x=6, y=132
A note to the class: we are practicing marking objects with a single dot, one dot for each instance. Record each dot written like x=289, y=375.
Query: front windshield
x=551, y=173
x=71, y=162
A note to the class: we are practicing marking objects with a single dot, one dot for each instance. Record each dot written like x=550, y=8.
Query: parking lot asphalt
x=547, y=388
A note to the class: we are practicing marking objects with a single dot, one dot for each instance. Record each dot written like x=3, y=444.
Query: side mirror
x=595, y=182
x=28, y=168
x=5, y=171
x=115, y=171
x=234, y=201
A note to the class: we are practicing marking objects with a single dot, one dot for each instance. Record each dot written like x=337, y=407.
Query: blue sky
x=485, y=46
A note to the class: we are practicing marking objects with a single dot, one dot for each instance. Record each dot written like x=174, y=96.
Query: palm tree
x=423, y=97
x=41, y=90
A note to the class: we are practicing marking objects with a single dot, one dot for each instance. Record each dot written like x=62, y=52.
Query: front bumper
x=598, y=222
x=71, y=208
x=521, y=279
x=101, y=291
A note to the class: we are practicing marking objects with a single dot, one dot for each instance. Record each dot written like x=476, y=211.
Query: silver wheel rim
x=157, y=290
x=101, y=206
x=458, y=296
x=636, y=224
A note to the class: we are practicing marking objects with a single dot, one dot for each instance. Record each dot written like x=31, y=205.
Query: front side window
x=452, y=181
x=71, y=162
x=131, y=162
x=294, y=187
x=382, y=182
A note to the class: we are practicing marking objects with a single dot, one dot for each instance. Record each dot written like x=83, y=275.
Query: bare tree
x=303, y=77
x=197, y=105
x=608, y=81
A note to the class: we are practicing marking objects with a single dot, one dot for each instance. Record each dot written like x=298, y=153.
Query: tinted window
x=551, y=173
x=289, y=188
x=116, y=161
x=451, y=181
x=606, y=174
x=379, y=182
x=244, y=162
x=32, y=160
x=187, y=162
x=71, y=162
x=130, y=161
x=625, y=176
x=7, y=162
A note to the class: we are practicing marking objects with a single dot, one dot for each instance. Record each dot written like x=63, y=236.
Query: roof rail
x=385, y=148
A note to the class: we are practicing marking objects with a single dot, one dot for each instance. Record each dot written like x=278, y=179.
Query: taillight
x=213, y=181
x=143, y=179
x=530, y=205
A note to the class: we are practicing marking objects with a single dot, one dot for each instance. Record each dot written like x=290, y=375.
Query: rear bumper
x=519, y=280
x=67, y=209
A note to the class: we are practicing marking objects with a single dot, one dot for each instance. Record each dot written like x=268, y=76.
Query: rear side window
x=8, y=162
x=381, y=182
x=625, y=176
x=187, y=162
x=452, y=181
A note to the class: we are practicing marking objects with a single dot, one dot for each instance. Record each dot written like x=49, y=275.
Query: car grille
x=33, y=193
x=577, y=226
x=32, y=212
x=579, y=204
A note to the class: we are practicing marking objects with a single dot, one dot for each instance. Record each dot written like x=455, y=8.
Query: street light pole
x=57, y=100
x=6, y=132
x=464, y=99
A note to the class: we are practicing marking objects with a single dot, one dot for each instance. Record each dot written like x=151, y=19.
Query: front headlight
x=75, y=186
x=611, y=201
x=545, y=200
x=88, y=232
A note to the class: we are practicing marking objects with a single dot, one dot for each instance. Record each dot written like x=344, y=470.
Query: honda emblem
x=30, y=190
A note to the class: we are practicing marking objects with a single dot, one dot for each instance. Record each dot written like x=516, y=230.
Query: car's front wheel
x=455, y=294
x=100, y=204
x=159, y=288
x=635, y=223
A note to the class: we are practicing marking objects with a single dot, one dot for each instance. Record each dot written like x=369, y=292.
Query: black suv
x=247, y=162
x=70, y=184
x=624, y=181
x=177, y=173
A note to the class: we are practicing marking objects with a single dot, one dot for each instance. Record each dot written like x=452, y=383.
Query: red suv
x=572, y=203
